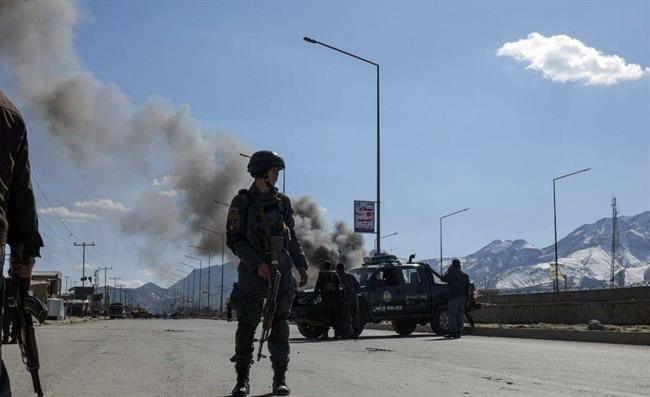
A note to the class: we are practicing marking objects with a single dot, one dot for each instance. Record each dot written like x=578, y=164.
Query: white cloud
x=166, y=181
x=101, y=204
x=169, y=193
x=562, y=58
x=69, y=215
x=90, y=267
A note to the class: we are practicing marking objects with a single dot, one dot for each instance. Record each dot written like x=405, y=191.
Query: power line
x=50, y=228
x=53, y=210
x=99, y=256
x=53, y=239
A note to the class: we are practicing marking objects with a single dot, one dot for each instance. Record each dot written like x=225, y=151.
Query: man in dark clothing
x=458, y=283
x=351, y=287
x=329, y=287
x=18, y=219
x=256, y=217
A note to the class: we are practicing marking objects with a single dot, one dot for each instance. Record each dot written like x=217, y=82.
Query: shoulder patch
x=233, y=219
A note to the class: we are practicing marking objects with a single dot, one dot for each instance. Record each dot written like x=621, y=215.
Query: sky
x=482, y=105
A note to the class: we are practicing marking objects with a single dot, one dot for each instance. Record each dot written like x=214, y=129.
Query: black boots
x=280, y=387
x=242, y=387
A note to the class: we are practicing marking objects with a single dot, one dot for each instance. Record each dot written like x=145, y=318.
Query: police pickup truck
x=406, y=294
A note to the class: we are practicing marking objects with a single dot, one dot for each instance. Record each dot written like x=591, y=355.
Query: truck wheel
x=310, y=331
x=404, y=327
x=440, y=321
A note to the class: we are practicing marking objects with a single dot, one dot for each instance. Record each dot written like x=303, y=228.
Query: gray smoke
x=319, y=244
x=97, y=124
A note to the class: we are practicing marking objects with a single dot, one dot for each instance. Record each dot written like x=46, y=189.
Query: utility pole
x=616, y=245
x=66, y=284
x=115, y=284
x=106, y=303
x=83, y=274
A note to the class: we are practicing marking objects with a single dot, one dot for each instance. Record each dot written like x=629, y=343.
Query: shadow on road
x=251, y=395
x=369, y=337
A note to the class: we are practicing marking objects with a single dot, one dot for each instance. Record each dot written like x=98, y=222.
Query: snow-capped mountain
x=585, y=254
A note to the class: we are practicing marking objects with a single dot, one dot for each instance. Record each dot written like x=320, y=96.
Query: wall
x=623, y=306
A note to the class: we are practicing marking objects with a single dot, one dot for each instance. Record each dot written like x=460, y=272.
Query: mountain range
x=507, y=265
x=585, y=254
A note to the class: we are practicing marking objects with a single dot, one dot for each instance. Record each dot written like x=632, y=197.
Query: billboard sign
x=364, y=216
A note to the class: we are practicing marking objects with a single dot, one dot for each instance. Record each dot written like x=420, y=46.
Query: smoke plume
x=96, y=123
x=319, y=244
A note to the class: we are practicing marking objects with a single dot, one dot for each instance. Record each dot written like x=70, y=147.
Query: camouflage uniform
x=246, y=238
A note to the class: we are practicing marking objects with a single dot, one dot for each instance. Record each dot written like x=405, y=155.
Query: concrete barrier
x=624, y=306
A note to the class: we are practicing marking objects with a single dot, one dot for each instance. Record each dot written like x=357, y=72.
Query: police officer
x=330, y=288
x=351, y=287
x=18, y=219
x=255, y=215
x=458, y=289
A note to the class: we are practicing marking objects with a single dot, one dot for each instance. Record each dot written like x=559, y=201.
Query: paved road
x=190, y=358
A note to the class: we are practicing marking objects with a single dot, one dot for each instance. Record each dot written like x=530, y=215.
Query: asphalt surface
x=190, y=358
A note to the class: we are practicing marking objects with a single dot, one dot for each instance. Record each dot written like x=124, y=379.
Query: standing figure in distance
x=257, y=214
x=351, y=288
x=458, y=289
x=330, y=288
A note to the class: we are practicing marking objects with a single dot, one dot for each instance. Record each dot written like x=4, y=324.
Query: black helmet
x=263, y=161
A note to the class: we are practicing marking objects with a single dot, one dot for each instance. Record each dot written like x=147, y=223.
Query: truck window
x=411, y=276
x=361, y=274
x=389, y=278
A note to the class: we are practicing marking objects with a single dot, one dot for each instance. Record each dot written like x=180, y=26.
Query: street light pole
x=223, y=247
x=388, y=235
x=201, y=291
x=200, y=286
x=556, y=285
x=313, y=41
x=441, y=218
x=184, y=289
x=193, y=283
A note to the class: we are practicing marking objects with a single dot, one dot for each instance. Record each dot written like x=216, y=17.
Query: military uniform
x=329, y=286
x=18, y=218
x=247, y=237
x=351, y=288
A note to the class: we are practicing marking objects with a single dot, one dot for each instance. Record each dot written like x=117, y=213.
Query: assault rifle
x=271, y=303
x=22, y=306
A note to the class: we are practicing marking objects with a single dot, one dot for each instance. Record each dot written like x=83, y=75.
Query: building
x=46, y=284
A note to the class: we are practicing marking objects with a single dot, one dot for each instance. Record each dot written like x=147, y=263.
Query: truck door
x=416, y=296
x=386, y=293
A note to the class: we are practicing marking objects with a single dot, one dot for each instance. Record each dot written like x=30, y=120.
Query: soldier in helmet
x=256, y=214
